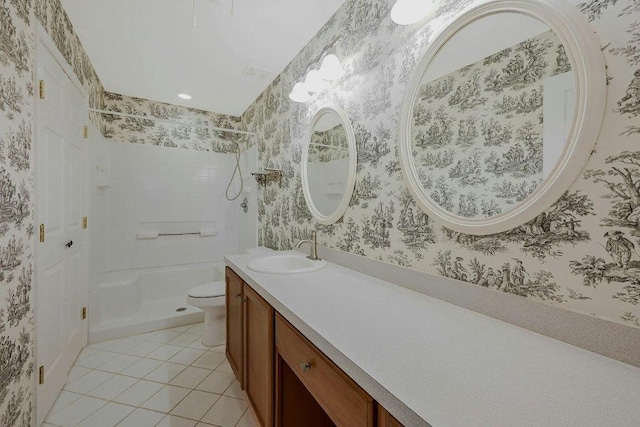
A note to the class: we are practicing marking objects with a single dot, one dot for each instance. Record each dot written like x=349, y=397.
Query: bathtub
x=138, y=301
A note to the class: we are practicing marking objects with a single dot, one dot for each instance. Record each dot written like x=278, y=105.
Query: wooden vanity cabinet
x=287, y=381
x=259, y=355
x=339, y=396
x=250, y=345
x=385, y=419
x=234, y=294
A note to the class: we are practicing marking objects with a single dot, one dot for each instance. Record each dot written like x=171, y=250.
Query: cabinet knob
x=238, y=295
x=245, y=299
x=305, y=366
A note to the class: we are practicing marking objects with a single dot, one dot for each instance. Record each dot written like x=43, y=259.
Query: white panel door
x=60, y=206
x=558, y=97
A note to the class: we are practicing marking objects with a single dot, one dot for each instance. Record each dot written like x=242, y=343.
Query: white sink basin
x=285, y=264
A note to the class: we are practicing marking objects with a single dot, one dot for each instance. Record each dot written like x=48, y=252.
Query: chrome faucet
x=314, y=246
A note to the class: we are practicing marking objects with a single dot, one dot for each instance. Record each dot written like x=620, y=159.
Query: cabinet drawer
x=341, y=398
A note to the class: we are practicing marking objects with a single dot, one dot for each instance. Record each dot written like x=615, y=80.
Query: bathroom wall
x=167, y=190
x=571, y=269
x=16, y=213
x=181, y=127
x=17, y=68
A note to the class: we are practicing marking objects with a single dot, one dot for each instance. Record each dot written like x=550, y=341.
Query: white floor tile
x=226, y=412
x=197, y=344
x=163, y=336
x=103, y=345
x=119, y=363
x=113, y=387
x=142, y=349
x=138, y=393
x=197, y=329
x=247, y=420
x=77, y=411
x=141, y=368
x=76, y=372
x=64, y=399
x=184, y=340
x=145, y=336
x=190, y=377
x=107, y=416
x=187, y=356
x=123, y=345
x=234, y=390
x=219, y=349
x=210, y=360
x=164, y=352
x=173, y=421
x=165, y=372
x=166, y=399
x=217, y=382
x=195, y=405
x=100, y=357
x=87, y=352
x=88, y=382
x=225, y=367
x=180, y=328
x=141, y=418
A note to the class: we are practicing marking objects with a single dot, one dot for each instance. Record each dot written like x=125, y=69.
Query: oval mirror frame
x=587, y=61
x=351, y=177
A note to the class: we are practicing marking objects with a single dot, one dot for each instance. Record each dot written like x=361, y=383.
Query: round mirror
x=501, y=114
x=329, y=164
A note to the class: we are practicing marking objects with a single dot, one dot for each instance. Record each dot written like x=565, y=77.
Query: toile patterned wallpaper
x=328, y=145
x=192, y=132
x=581, y=255
x=478, y=131
x=17, y=71
x=16, y=207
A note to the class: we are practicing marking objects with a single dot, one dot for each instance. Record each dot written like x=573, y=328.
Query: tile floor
x=165, y=378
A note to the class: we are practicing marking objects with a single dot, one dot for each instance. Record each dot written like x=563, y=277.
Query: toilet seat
x=208, y=290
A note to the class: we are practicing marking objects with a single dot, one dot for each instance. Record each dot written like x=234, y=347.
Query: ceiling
x=150, y=49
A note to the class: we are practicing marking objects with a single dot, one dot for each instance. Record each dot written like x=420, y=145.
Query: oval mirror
x=329, y=164
x=501, y=114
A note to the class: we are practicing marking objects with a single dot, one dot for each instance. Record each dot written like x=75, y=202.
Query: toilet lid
x=208, y=290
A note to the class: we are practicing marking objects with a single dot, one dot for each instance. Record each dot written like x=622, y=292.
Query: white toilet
x=210, y=299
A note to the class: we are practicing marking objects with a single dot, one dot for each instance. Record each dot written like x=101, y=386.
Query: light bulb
x=331, y=68
x=184, y=96
x=299, y=93
x=407, y=12
x=314, y=82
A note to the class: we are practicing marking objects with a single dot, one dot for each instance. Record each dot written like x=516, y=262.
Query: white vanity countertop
x=448, y=365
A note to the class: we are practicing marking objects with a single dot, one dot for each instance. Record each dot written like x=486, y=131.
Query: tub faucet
x=314, y=246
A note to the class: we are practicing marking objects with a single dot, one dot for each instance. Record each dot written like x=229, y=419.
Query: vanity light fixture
x=300, y=93
x=407, y=12
x=315, y=81
x=184, y=96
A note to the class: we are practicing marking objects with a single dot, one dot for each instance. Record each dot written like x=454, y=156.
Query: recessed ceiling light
x=184, y=96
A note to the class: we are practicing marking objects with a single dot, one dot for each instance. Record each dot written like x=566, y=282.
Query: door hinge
x=41, y=375
x=85, y=223
x=41, y=89
x=85, y=132
x=84, y=313
x=41, y=233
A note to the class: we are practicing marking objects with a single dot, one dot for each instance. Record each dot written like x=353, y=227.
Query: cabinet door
x=385, y=419
x=259, y=355
x=235, y=341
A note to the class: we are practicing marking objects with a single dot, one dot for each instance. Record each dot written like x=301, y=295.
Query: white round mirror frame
x=353, y=159
x=587, y=61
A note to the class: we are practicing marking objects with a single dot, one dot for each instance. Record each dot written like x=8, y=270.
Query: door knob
x=68, y=245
